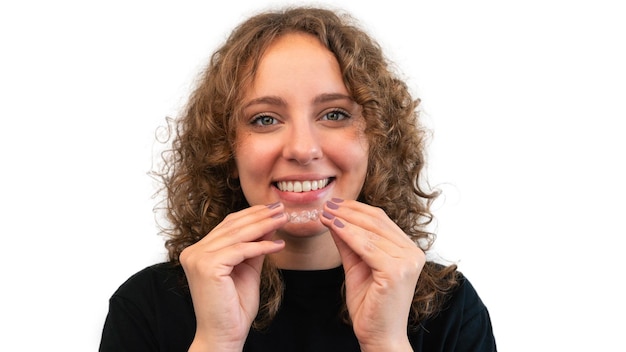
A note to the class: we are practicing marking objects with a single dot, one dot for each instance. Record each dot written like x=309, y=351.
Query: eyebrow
x=269, y=100
x=323, y=98
x=276, y=100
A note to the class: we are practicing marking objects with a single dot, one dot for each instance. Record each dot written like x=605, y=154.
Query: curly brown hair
x=197, y=168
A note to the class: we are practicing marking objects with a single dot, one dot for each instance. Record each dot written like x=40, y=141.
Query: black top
x=153, y=311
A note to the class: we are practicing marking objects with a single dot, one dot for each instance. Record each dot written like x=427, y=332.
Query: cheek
x=246, y=158
x=254, y=158
x=250, y=163
x=351, y=157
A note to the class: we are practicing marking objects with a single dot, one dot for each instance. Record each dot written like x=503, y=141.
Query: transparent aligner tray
x=303, y=216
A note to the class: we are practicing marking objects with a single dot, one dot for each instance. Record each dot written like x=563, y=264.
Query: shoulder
x=462, y=302
x=475, y=332
x=153, y=295
x=158, y=278
x=152, y=310
x=461, y=294
x=463, y=320
x=466, y=296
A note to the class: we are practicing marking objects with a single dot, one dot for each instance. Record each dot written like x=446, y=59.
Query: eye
x=263, y=120
x=336, y=115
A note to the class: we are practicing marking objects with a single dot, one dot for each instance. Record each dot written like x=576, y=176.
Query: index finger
x=370, y=218
x=247, y=225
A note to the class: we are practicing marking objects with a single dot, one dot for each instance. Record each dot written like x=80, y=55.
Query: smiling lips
x=302, y=186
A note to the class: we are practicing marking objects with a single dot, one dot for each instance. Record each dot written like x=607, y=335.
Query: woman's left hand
x=382, y=266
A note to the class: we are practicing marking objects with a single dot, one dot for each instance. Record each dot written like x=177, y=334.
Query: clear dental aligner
x=303, y=216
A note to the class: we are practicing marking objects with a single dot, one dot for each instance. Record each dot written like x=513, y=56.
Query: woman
x=297, y=207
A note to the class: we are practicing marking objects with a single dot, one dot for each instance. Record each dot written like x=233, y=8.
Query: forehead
x=296, y=61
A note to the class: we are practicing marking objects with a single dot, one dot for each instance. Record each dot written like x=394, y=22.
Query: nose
x=303, y=143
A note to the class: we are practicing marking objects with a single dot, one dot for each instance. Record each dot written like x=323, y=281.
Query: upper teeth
x=301, y=186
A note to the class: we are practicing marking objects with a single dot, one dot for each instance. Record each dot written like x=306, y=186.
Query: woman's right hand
x=223, y=270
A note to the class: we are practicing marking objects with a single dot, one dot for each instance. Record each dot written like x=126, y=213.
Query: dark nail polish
x=337, y=200
x=338, y=223
x=332, y=205
x=278, y=216
x=327, y=215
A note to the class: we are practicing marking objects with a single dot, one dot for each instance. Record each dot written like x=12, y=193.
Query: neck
x=317, y=252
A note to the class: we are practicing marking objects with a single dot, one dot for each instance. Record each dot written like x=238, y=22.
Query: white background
x=526, y=100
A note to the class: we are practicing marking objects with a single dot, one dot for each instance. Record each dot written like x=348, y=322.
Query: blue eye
x=336, y=115
x=264, y=120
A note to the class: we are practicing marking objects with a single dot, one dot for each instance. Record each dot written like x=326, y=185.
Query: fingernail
x=278, y=216
x=273, y=205
x=279, y=241
x=332, y=205
x=338, y=223
x=337, y=200
x=327, y=215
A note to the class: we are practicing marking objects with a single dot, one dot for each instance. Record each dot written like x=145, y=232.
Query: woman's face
x=301, y=140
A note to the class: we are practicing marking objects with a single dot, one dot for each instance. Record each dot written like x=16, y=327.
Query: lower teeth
x=303, y=216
